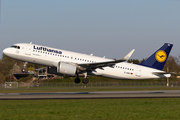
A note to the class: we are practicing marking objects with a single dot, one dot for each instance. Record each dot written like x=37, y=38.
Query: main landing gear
x=84, y=80
x=78, y=80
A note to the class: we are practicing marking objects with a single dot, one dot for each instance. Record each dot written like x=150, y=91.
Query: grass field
x=93, y=109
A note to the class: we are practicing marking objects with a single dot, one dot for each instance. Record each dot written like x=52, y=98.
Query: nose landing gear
x=23, y=70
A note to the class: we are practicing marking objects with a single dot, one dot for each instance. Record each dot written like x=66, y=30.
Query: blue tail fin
x=158, y=59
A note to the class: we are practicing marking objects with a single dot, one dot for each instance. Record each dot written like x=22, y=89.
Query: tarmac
x=92, y=95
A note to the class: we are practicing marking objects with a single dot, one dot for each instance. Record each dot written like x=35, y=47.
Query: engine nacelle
x=66, y=68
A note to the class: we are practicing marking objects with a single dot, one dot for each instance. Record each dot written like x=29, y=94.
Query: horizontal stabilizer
x=165, y=74
x=160, y=73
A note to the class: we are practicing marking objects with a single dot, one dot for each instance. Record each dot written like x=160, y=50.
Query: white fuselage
x=50, y=56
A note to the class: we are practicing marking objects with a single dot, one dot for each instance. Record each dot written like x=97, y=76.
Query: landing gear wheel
x=77, y=80
x=23, y=70
x=85, y=81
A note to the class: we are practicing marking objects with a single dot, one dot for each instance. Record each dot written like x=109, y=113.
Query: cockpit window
x=15, y=46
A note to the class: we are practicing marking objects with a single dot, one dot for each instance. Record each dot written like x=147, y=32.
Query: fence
x=95, y=84
x=11, y=85
x=102, y=84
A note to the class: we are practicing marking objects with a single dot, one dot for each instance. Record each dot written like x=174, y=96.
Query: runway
x=92, y=95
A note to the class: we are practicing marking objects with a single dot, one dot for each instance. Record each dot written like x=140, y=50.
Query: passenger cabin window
x=15, y=46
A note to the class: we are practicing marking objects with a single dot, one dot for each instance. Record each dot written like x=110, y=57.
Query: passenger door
x=138, y=73
x=28, y=49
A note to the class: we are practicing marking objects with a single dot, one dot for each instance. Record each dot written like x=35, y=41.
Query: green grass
x=94, y=109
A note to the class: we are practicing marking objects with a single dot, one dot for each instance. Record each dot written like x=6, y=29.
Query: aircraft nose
x=6, y=51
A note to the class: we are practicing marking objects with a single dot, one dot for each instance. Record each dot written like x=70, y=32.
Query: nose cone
x=7, y=51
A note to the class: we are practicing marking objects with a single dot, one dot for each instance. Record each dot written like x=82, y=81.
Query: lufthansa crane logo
x=161, y=56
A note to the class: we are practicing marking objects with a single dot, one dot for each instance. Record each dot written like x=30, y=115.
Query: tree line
x=7, y=63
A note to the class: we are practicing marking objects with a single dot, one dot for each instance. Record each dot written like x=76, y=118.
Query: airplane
x=76, y=64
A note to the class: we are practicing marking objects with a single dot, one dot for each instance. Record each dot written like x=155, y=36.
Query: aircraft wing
x=105, y=64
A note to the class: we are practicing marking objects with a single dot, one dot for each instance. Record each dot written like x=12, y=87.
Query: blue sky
x=102, y=27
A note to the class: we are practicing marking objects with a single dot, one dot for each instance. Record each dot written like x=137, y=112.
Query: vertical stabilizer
x=158, y=59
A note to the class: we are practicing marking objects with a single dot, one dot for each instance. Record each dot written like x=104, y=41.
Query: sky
x=110, y=28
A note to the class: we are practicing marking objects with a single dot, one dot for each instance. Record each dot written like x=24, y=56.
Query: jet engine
x=63, y=68
x=66, y=68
